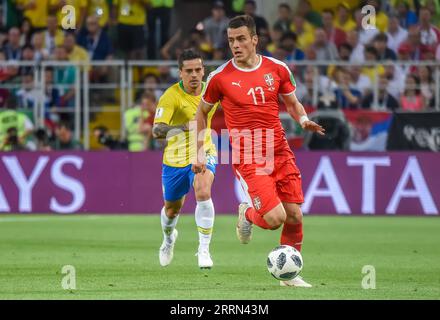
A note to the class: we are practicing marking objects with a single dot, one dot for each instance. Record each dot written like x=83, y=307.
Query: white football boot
x=166, y=250
x=244, y=227
x=204, y=259
x=295, y=282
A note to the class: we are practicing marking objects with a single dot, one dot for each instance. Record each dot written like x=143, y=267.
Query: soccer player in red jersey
x=248, y=88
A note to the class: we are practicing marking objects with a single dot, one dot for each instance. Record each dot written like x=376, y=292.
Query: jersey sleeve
x=165, y=108
x=288, y=84
x=211, y=93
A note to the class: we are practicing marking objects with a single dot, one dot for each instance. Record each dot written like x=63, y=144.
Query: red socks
x=256, y=219
x=292, y=235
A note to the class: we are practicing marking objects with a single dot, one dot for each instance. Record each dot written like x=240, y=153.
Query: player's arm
x=162, y=130
x=201, y=121
x=164, y=114
x=297, y=111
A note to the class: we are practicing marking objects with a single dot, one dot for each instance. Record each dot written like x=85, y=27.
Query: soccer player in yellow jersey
x=176, y=107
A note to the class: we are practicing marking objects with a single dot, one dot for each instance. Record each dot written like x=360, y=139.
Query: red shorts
x=266, y=191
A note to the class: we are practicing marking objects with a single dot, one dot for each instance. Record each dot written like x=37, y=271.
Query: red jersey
x=249, y=98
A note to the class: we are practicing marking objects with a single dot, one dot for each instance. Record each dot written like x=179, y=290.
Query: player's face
x=242, y=44
x=192, y=73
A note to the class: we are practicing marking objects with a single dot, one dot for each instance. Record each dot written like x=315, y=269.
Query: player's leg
x=175, y=186
x=292, y=233
x=263, y=208
x=290, y=192
x=204, y=216
x=272, y=219
x=168, y=217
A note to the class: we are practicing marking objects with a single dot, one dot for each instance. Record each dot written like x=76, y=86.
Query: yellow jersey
x=78, y=54
x=131, y=12
x=370, y=72
x=306, y=38
x=100, y=9
x=177, y=107
x=347, y=26
x=77, y=4
x=37, y=15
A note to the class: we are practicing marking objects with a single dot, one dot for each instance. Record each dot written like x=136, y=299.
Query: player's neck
x=251, y=63
x=194, y=92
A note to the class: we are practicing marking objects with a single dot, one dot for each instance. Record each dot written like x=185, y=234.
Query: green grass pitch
x=116, y=257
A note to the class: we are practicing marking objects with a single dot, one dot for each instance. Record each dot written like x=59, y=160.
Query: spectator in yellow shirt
x=36, y=13
x=381, y=17
x=343, y=18
x=56, y=6
x=371, y=55
x=74, y=51
x=304, y=31
x=130, y=15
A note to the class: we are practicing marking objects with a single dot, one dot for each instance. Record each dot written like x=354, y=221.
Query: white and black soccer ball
x=284, y=262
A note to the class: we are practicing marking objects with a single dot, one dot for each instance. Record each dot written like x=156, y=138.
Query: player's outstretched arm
x=163, y=130
x=297, y=111
x=201, y=119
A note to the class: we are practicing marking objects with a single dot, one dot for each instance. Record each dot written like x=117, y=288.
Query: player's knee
x=172, y=212
x=277, y=222
x=203, y=193
x=297, y=217
x=294, y=217
x=276, y=219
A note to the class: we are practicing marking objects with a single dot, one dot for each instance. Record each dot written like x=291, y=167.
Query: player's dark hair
x=244, y=21
x=189, y=54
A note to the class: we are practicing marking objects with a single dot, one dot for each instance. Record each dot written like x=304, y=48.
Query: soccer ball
x=284, y=262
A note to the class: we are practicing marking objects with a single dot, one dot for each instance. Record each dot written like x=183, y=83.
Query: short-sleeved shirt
x=250, y=100
x=77, y=4
x=37, y=16
x=131, y=12
x=177, y=107
x=99, y=8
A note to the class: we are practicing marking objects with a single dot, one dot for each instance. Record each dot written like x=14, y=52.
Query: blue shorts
x=176, y=182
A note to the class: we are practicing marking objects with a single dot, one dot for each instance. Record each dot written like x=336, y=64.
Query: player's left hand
x=199, y=167
x=314, y=127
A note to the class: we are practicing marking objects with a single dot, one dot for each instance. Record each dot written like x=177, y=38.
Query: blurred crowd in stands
x=31, y=31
